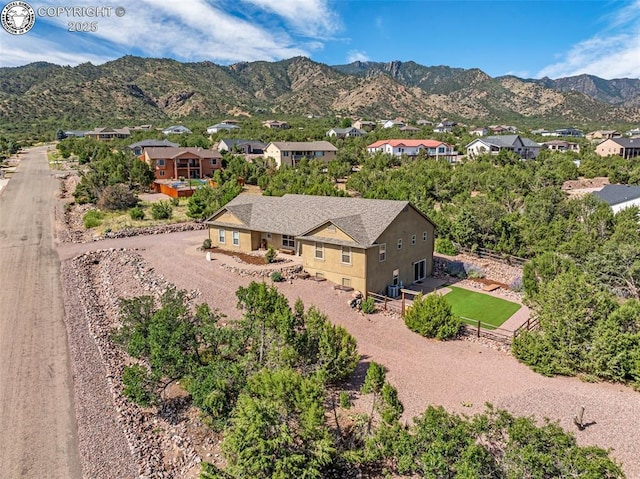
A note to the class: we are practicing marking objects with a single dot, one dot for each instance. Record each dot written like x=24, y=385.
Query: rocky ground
x=123, y=440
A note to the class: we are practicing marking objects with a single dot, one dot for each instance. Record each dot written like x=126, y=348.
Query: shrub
x=206, y=244
x=276, y=277
x=136, y=385
x=162, y=210
x=473, y=271
x=136, y=213
x=117, y=197
x=431, y=317
x=516, y=284
x=92, y=218
x=345, y=400
x=368, y=306
x=271, y=255
x=175, y=201
x=445, y=246
x=456, y=268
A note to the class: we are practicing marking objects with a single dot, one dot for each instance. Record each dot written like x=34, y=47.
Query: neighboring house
x=432, y=148
x=393, y=124
x=141, y=128
x=246, y=147
x=445, y=126
x=624, y=147
x=289, y=153
x=542, y=132
x=423, y=122
x=524, y=147
x=502, y=129
x=176, y=130
x=482, y=131
x=75, y=133
x=568, y=132
x=620, y=197
x=360, y=243
x=603, y=135
x=561, y=145
x=409, y=129
x=106, y=134
x=364, y=125
x=351, y=132
x=190, y=162
x=274, y=124
x=221, y=127
x=139, y=147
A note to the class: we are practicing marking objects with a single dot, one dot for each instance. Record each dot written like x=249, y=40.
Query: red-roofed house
x=433, y=148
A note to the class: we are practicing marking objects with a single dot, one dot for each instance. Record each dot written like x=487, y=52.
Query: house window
x=285, y=153
x=162, y=173
x=382, y=252
x=160, y=163
x=346, y=282
x=399, y=243
x=319, y=254
x=288, y=241
x=424, y=236
x=413, y=239
x=214, y=161
x=236, y=238
x=395, y=281
x=318, y=153
x=221, y=236
x=346, y=255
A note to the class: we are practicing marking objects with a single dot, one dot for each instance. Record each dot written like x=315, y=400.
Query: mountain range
x=133, y=89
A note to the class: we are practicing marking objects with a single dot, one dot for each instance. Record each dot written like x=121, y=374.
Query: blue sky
x=526, y=38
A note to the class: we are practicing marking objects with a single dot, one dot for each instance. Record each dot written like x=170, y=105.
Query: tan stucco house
x=623, y=147
x=290, y=152
x=360, y=243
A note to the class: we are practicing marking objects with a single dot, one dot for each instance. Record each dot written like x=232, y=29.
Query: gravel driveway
x=460, y=375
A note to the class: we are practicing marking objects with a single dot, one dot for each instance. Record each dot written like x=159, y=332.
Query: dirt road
x=37, y=421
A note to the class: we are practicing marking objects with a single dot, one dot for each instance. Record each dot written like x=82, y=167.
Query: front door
x=419, y=270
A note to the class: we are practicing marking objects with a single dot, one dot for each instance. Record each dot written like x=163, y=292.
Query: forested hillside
x=133, y=90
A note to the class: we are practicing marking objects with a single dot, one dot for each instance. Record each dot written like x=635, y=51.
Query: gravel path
x=460, y=375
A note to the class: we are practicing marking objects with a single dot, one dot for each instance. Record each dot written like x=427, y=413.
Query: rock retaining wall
x=158, y=442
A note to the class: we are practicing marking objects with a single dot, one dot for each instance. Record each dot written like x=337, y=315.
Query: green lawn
x=478, y=306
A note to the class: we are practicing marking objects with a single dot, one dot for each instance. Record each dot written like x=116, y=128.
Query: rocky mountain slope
x=133, y=89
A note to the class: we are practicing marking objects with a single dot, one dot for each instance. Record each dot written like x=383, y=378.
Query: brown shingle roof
x=364, y=220
x=171, y=152
x=304, y=146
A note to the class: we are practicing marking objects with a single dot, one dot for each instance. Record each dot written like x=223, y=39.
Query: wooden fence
x=487, y=253
x=471, y=327
x=531, y=324
x=385, y=302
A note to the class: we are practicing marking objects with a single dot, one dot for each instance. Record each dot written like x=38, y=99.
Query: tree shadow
x=173, y=410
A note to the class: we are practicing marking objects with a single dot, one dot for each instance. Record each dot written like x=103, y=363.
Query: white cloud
x=188, y=30
x=612, y=53
x=312, y=18
x=18, y=51
x=357, y=56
